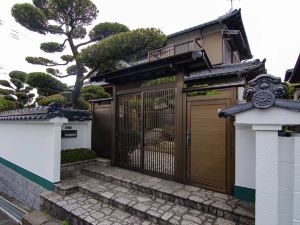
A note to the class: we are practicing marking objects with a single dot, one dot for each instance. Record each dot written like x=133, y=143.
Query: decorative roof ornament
x=263, y=90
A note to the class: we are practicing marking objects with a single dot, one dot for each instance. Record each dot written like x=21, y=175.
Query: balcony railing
x=168, y=51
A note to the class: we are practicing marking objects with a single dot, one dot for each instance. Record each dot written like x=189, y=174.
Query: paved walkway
x=130, y=200
x=88, y=210
x=115, y=196
x=5, y=220
x=170, y=190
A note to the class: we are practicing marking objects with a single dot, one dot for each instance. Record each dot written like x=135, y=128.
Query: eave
x=187, y=62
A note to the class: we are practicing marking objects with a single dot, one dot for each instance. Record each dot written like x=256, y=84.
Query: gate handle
x=188, y=138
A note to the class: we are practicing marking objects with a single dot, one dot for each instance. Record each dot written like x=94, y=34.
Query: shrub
x=76, y=155
x=20, y=75
x=5, y=83
x=52, y=98
x=46, y=84
x=84, y=105
x=93, y=92
x=7, y=105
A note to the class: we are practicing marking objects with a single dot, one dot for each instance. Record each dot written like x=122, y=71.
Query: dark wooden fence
x=102, y=128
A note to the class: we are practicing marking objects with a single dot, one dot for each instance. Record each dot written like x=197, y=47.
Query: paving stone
x=187, y=222
x=182, y=193
x=187, y=195
x=160, y=200
x=36, y=218
x=221, y=221
x=96, y=213
x=167, y=216
x=144, y=205
x=220, y=195
x=196, y=198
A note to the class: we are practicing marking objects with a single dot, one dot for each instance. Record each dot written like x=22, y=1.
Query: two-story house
x=164, y=110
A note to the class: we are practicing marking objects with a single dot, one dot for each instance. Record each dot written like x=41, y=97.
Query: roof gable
x=233, y=21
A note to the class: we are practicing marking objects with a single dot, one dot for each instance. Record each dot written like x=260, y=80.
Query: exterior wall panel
x=34, y=146
x=213, y=45
x=83, y=139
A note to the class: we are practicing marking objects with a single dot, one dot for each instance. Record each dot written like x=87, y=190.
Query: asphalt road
x=5, y=220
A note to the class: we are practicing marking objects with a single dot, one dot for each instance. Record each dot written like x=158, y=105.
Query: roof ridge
x=45, y=112
x=208, y=23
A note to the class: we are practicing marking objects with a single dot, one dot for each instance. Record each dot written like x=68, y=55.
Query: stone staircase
x=111, y=195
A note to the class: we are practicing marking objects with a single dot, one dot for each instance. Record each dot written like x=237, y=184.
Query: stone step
x=80, y=209
x=140, y=204
x=207, y=201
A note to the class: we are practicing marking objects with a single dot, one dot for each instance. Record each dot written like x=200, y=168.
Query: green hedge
x=76, y=155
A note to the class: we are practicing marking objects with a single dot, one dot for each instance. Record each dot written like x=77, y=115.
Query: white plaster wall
x=33, y=145
x=286, y=175
x=289, y=180
x=245, y=156
x=289, y=171
x=277, y=164
x=83, y=139
x=296, y=182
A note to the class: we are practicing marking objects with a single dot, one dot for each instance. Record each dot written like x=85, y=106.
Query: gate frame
x=180, y=155
x=231, y=95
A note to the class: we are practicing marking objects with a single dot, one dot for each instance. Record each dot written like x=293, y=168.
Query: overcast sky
x=272, y=27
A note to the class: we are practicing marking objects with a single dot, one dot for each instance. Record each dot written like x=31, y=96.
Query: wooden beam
x=114, y=127
x=180, y=171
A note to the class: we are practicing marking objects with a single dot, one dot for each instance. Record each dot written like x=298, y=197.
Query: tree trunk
x=76, y=91
x=79, y=76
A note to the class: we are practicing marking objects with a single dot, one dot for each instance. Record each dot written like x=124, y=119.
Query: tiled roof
x=45, y=112
x=207, y=24
x=227, y=70
x=233, y=21
x=265, y=91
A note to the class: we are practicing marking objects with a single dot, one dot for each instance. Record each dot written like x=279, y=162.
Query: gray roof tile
x=45, y=112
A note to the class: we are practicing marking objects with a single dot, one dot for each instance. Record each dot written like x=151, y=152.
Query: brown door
x=208, y=145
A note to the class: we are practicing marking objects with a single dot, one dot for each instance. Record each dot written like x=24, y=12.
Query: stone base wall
x=20, y=188
x=73, y=169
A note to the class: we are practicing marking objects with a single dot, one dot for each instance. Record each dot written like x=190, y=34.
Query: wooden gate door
x=209, y=145
x=146, y=132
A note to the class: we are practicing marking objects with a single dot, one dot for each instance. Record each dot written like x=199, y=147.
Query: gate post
x=266, y=112
x=267, y=185
x=180, y=170
x=114, y=129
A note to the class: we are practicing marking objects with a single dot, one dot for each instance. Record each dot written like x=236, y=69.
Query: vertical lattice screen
x=130, y=130
x=147, y=131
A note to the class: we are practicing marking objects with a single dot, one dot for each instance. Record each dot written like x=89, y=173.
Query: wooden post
x=179, y=168
x=114, y=129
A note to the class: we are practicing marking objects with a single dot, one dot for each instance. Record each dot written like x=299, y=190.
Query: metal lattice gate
x=146, y=132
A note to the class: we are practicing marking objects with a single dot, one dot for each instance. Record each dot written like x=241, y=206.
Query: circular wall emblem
x=263, y=100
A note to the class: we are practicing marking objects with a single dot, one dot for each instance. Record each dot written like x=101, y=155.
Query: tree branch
x=58, y=89
x=89, y=74
x=57, y=64
x=54, y=31
x=63, y=76
x=87, y=42
x=63, y=44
